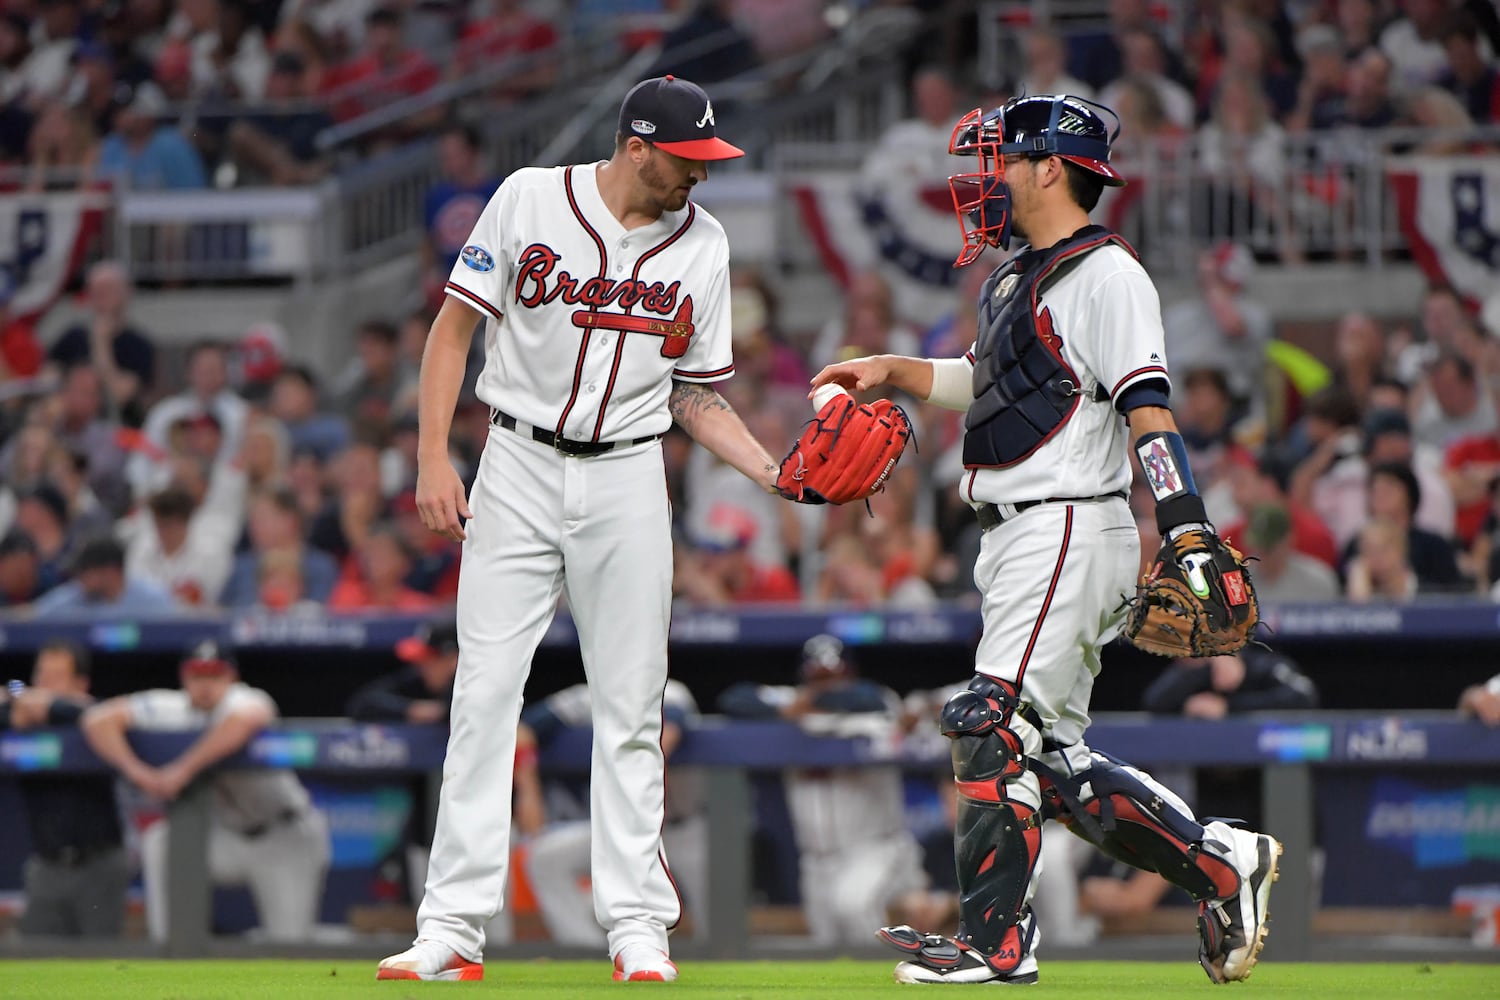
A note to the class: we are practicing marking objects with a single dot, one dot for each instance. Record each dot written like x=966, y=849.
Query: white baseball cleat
x=1233, y=931
x=430, y=960
x=643, y=963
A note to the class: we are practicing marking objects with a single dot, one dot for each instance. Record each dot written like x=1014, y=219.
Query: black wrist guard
x=1184, y=509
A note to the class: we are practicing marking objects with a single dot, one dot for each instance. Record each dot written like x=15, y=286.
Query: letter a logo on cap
x=708, y=115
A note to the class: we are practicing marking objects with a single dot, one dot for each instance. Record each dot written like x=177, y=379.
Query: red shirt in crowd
x=1480, y=450
x=378, y=84
x=768, y=583
x=491, y=39
x=1310, y=536
x=354, y=595
x=19, y=349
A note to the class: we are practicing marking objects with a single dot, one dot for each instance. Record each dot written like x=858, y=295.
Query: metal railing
x=467, y=90
x=377, y=208
x=1329, y=198
x=1320, y=197
x=226, y=236
x=1326, y=197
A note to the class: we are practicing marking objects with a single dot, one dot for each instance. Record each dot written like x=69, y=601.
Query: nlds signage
x=1386, y=739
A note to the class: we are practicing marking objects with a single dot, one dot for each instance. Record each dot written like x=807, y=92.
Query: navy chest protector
x=1024, y=391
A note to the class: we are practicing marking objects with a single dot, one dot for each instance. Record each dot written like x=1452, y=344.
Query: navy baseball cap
x=209, y=659
x=432, y=639
x=674, y=115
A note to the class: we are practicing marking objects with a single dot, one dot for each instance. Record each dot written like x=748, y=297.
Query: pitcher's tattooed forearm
x=690, y=400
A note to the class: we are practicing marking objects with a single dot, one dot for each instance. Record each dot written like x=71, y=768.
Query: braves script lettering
x=537, y=284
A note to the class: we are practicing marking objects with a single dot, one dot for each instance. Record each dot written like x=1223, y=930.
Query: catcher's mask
x=1037, y=127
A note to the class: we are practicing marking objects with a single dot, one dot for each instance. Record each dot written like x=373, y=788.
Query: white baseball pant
x=601, y=527
x=284, y=868
x=1054, y=580
x=845, y=893
x=557, y=862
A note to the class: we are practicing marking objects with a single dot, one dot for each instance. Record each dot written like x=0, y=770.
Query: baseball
x=825, y=393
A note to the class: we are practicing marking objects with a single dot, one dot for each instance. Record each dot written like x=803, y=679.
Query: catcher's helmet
x=1038, y=126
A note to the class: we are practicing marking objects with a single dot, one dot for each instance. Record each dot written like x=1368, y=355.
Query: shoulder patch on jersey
x=477, y=258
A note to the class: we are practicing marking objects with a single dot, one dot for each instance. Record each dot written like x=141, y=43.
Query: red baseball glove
x=847, y=452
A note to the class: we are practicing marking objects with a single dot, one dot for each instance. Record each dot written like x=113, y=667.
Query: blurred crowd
x=187, y=93
x=244, y=480
x=1377, y=480
x=1260, y=110
x=1362, y=460
x=181, y=94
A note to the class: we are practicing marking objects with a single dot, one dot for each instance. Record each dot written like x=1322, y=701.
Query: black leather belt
x=284, y=818
x=564, y=446
x=72, y=856
x=990, y=517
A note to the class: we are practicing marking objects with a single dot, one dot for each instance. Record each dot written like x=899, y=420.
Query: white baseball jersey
x=587, y=325
x=264, y=835
x=243, y=799
x=1106, y=313
x=560, y=282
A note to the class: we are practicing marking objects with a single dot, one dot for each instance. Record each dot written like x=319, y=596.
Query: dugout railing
x=1293, y=751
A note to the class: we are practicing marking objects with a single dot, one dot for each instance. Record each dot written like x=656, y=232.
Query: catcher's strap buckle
x=992, y=515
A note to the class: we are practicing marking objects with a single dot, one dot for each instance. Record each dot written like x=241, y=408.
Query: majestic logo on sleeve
x=539, y=282
x=708, y=115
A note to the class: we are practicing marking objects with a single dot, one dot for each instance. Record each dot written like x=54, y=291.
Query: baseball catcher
x=1065, y=384
x=847, y=452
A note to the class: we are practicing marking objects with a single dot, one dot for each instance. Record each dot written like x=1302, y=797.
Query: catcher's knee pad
x=1140, y=823
x=996, y=839
x=989, y=729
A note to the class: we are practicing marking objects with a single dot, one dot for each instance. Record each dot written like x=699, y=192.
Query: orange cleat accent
x=662, y=970
x=419, y=963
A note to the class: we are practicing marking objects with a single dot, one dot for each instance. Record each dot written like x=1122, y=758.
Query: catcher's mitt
x=1170, y=617
x=846, y=452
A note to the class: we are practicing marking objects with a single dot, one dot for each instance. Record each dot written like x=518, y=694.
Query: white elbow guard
x=952, y=383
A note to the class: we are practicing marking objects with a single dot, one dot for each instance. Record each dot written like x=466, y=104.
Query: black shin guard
x=996, y=840
x=1128, y=820
x=996, y=846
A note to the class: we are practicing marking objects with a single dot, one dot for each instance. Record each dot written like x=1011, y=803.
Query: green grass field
x=63, y=979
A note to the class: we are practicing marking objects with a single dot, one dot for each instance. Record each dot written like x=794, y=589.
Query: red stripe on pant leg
x=661, y=854
x=1036, y=630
